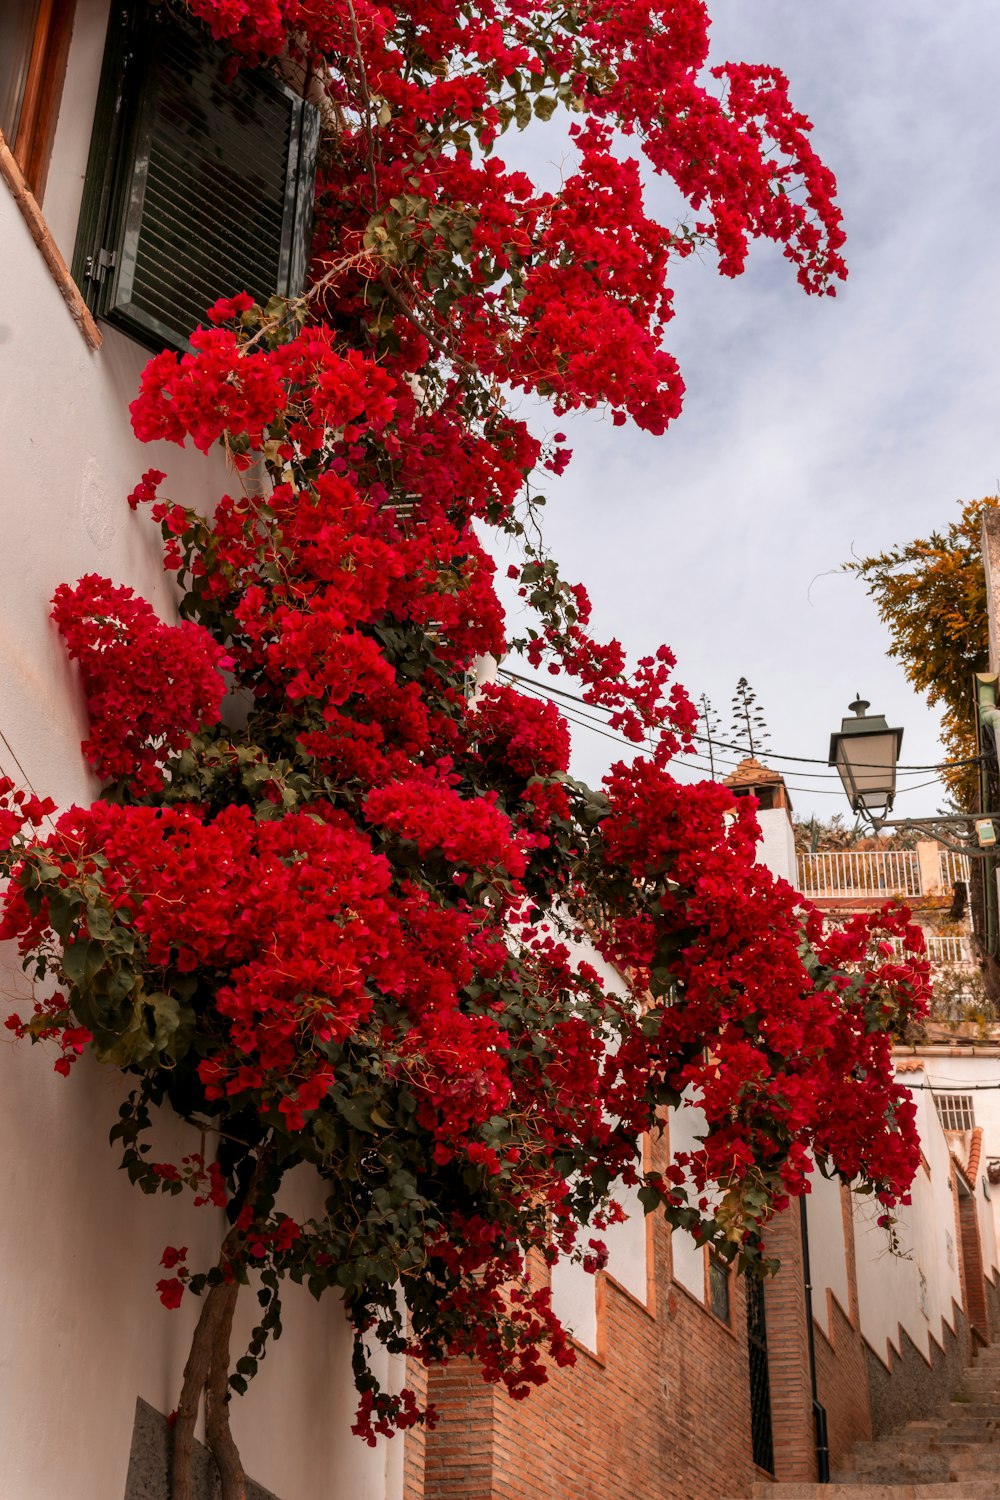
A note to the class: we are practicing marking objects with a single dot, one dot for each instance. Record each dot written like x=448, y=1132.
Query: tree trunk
x=196, y=1374
x=220, y=1437
x=207, y=1369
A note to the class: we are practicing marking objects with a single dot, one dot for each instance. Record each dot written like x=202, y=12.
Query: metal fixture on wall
x=865, y=751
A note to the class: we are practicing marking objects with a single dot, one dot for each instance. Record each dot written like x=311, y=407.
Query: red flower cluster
x=19, y=810
x=328, y=922
x=348, y=926
x=149, y=686
x=524, y=736
x=224, y=387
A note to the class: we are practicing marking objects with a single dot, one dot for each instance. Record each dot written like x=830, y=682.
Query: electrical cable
x=810, y=760
x=576, y=715
x=600, y=727
x=703, y=765
x=948, y=1088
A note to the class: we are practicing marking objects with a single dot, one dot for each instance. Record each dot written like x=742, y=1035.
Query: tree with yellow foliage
x=932, y=595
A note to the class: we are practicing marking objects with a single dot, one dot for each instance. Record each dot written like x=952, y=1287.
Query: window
x=955, y=1111
x=199, y=184
x=718, y=1287
x=34, y=41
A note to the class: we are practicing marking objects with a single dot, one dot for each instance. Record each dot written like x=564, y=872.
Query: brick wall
x=663, y=1412
x=841, y=1358
x=842, y=1383
x=788, y=1353
x=992, y=1287
x=415, y=1439
x=973, y=1271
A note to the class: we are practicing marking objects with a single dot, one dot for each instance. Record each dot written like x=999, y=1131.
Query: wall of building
x=827, y=1250
x=576, y=1292
x=82, y=1333
x=660, y=1407
x=910, y=1303
x=777, y=843
x=889, y=1334
x=973, y=1070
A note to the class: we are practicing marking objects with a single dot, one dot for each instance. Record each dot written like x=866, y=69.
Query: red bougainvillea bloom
x=362, y=921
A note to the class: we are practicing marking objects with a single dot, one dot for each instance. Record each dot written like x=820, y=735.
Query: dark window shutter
x=199, y=184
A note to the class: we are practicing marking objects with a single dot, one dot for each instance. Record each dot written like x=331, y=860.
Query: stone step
x=945, y=1441
x=974, y=1411
x=922, y=1467
x=895, y=1468
x=956, y=1429
x=953, y=1420
x=952, y=1454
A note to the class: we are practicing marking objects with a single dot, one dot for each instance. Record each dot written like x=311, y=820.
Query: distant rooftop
x=752, y=779
x=750, y=772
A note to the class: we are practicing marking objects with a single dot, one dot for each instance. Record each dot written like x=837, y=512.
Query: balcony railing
x=864, y=872
x=953, y=867
x=944, y=950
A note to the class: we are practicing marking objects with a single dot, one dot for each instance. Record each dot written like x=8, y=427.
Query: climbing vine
x=335, y=900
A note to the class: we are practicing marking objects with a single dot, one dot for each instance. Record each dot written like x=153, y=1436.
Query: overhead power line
x=582, y=721
x=550, y=692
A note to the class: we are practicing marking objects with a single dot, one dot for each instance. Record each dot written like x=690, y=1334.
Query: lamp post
x=865, y=751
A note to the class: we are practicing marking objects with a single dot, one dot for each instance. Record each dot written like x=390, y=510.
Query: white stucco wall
x=914, y=1291
x=777, y=843
x=827, y=1249
x=574, y=1302
x=687, y=1125
x=977, y=1073
x=82, y=1333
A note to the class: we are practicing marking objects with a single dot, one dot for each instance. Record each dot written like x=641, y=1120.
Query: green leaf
x=81, y=961
x=99, y=921
x=649, y=1198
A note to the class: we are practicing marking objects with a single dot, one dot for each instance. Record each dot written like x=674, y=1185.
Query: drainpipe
x=989, y=719
x=819, y=1410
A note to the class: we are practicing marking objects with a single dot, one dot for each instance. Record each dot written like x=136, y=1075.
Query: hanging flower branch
x=344, y=926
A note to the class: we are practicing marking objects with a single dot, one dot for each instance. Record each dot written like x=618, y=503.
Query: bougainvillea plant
x=334, y=903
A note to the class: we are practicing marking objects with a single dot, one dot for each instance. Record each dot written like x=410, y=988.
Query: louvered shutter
x=199, y=184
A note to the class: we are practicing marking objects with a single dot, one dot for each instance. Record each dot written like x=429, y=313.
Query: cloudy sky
x=815, y=425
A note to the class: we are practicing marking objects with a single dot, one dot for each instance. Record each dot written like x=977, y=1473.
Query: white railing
x=944, y=950
x=860, y=872
x=953, y=866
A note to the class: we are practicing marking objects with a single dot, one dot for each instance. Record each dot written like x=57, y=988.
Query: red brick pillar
x=459, y=1452
x=788, y=1354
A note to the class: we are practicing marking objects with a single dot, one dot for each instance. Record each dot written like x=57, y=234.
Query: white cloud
x=812, y=425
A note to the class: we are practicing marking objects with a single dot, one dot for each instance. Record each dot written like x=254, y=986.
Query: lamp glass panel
x=869, y=761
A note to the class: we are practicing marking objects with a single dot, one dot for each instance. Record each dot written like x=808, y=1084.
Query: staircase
x=952, y=1456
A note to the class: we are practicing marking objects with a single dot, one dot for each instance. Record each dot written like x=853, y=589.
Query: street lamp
x=865, y=752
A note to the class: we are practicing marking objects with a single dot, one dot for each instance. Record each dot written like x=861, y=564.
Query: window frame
x=715, y=1266
x=38, y=109
x=953, y=1106
x=110, y=220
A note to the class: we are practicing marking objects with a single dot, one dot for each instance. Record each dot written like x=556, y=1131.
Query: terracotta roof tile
x=750, y=771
